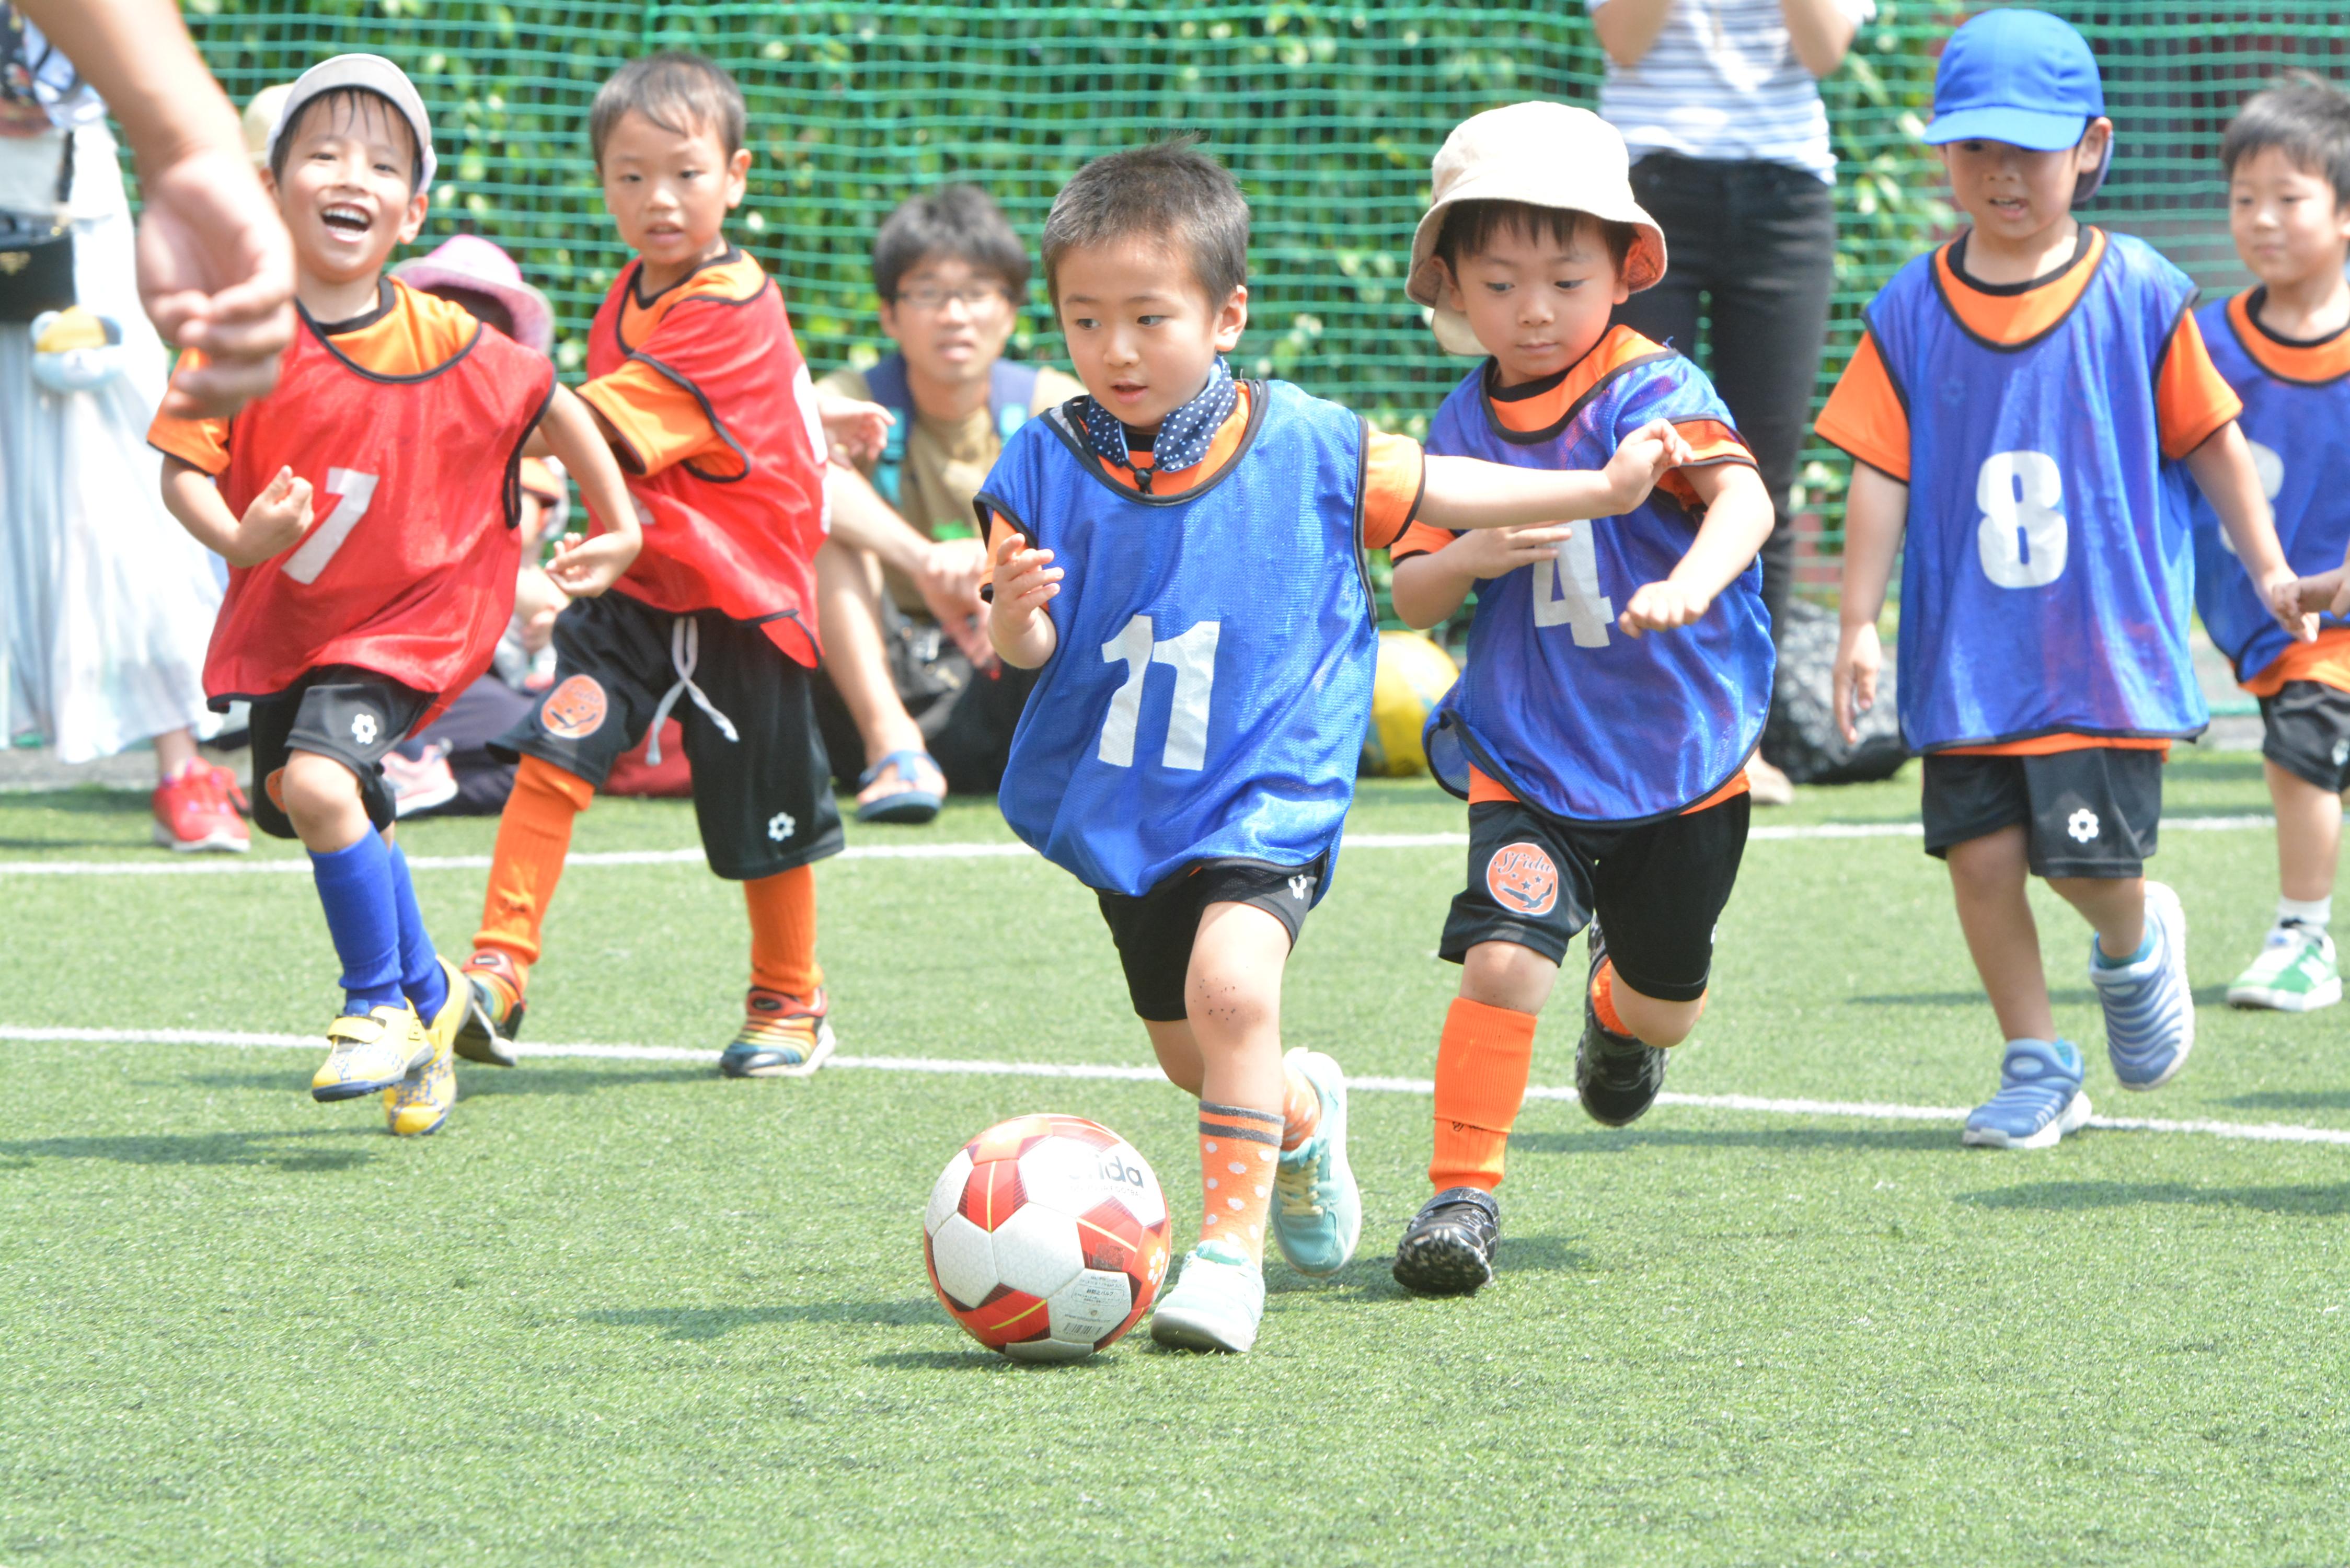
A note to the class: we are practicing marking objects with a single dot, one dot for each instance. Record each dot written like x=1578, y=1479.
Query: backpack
x=1010, y=387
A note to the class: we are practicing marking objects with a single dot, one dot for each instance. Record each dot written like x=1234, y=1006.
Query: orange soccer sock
x=1482, y=1066
x=783, y=932
x=1603, y=1000
x=534, y=836
x=1238, y=1148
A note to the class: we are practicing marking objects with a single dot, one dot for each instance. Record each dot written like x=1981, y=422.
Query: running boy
x=1176, y=517
x=694, y=380
x=2284, y=347
x=1604, y=768
x=2026, y=405
x=348, y=633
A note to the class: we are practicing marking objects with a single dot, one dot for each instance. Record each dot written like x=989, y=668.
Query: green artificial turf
x=622, y=1310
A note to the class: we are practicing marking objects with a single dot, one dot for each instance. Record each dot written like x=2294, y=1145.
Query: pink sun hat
x=469, y=261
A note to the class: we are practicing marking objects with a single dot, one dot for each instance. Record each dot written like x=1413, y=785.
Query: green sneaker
x=2294, y=974
x=1317, y=1209
x=1216, y=1304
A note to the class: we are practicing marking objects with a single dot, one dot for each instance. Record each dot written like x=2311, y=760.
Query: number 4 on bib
x=2021, y=537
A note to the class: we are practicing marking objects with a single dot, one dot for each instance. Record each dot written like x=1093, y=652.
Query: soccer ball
x=1046, y=1237
x=1413, y=674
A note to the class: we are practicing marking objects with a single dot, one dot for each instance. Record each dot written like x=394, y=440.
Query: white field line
x=291, y=864
x=1856, y=1110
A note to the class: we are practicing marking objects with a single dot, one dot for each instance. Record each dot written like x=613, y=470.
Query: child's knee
x=1506, y=974
x=317, y=790
x=1658, y=1021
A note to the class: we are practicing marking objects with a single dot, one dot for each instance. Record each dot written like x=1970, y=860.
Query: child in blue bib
x=1180, y=555
x=2284, y=347
x=2027, y=408
x=1617, y=681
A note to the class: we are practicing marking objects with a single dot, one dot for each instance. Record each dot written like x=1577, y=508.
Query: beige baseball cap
x=1546, y=155
x=368, y=73
x=261, y=121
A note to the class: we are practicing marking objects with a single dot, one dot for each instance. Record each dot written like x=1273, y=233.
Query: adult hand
x=951, y=571
x=216, y=275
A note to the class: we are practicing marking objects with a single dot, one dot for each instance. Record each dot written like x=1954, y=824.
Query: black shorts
x=762, y=796
x=354, y=716
x=2090, y=813
x=1155, y=932
x=1657, y=889
x=2308, y=732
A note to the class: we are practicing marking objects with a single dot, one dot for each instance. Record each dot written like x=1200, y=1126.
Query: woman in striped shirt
x=1720, y=105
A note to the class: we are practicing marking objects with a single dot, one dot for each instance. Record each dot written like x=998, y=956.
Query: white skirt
x=106, y=602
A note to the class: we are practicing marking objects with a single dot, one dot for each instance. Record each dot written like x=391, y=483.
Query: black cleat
x=1615, y=1076
x=1448, y=1247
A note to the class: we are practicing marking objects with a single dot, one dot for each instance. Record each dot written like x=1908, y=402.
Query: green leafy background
x=1328, y=113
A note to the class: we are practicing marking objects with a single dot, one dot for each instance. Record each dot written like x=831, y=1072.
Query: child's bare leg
x=1178, y=1053
x=1232, y=993
x=2308, y=834
x=1503, y=974
x=322, y=801
x=2114, y=906
x=1987, y=875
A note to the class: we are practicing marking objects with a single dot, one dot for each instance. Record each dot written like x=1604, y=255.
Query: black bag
x=37, y=254
x=1802, y=736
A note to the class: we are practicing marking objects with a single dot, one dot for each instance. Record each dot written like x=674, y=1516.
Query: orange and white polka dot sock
x=1238, y=1150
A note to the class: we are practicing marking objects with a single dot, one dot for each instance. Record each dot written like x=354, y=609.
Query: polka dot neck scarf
x=1184, y=436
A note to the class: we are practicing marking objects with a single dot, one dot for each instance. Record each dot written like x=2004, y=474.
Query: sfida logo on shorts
x=575, y=710
x=1522, y=879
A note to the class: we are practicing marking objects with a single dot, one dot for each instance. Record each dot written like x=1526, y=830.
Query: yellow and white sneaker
x=421, y=1102
x=368, y=1051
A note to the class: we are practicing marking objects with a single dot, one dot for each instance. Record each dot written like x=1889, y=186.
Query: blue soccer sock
x=421, y=977
x=355, y=887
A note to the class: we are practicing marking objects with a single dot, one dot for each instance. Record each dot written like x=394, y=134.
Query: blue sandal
x=912, y=805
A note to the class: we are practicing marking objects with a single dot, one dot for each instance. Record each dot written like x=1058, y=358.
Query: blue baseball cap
x=2024, y=78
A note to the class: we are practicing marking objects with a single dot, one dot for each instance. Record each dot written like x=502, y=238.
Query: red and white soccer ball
x=1046, y=1237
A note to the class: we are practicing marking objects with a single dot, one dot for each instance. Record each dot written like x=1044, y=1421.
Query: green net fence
x=1327, y=113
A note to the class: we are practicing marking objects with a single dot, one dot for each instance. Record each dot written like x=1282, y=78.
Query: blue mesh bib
x=1575, y=717
x=1212, y=681
x=2296, y=429
x=2047, y=570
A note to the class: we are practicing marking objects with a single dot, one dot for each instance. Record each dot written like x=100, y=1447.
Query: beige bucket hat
x=1546, y=155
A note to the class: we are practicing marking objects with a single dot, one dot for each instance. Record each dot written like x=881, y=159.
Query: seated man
x=914, y=688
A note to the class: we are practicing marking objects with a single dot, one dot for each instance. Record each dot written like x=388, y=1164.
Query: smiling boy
x=1179, y=554
x=2025, y=408
x=2284, y=347
x=349, y=631
x=696, y=383
x=1602, y=752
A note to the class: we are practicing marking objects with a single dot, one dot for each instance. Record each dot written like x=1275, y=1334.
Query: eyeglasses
x=974, y=297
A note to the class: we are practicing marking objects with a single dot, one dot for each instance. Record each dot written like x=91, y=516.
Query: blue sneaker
x=1317, y=1209
x=1215, y=1304
x=2149, y=1009
x=2039, y=1099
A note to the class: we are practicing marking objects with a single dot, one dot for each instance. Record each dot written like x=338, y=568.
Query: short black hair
x=678, y=90
x=2304, y=117
x=1168, y=191
x=1470, y=227
x=349, y=103
x=959, y=221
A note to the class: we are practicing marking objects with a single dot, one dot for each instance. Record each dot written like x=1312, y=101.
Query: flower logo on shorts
x=2082, y=825
x=782, y=825
x=1522, y=879
x=364, y=728
x=575, y=710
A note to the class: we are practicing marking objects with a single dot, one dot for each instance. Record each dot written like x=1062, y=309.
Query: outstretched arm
x=584, y=567
x=1465, y=492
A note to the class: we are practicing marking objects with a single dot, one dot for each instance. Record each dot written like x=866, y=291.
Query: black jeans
x=1751, y=246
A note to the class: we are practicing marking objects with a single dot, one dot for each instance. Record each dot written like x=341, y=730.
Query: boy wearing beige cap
x=1603, y=767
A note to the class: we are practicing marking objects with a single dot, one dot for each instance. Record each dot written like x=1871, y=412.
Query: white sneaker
x=1216, y=1304
x=2296, y=971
